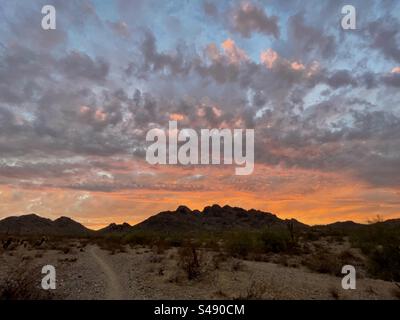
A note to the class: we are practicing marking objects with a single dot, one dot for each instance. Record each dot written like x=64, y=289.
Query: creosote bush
x=381, y=245
x=190, y=260
x=23, y=283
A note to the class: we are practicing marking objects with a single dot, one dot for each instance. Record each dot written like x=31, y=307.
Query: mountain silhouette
x=32, y=224
x=212, y=219
x=116, y=228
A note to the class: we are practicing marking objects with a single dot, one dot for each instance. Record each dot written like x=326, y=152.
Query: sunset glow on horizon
x=309, y=196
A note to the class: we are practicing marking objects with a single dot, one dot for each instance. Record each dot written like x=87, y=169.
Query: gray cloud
x=210, y=9
x=249, y=18
x=78, y=65
x=63, y=103
x=120, y=28
x=384, y=34
x=305, y=40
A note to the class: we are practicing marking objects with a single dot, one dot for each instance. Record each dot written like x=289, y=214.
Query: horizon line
x=193, y=210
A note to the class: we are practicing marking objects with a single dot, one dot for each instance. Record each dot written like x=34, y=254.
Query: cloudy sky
x=76, y=104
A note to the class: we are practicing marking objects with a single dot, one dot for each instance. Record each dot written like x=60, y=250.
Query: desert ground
x=87, y=270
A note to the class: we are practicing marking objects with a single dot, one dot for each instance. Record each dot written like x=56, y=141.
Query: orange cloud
x=297, y=66
x=100, y=115
x=234, y=54
x=269, y=57
x=84, y=109
x=396, y=70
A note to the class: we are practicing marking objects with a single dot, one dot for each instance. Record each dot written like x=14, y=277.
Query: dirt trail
x=114, y=290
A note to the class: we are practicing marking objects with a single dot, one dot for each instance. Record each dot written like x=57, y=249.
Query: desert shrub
x=82, y=244
x=260, y=257
x=368, y=239
x=67, y=260
x=24, y=284
x=276, y=241
x=282, y=260
x=210, y=243
x=155, y=258
x=240, y=244
x=218, y=259
x=381, y=245
x=348, y=257
x=190, y=261
x=311, y=235
x=323, y=262
x=54, y=244
x=65, y=250
x=244, y=244
x=334, y=293
x=255, y=291
x=112, y=244
x=237, y=265
x=306, y=248
x=160, y=246
x=139, y=238
x=384, y=262
x=338, y=238
x=7, y=243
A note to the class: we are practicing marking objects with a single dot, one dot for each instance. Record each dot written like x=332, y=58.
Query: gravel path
x=114, y=289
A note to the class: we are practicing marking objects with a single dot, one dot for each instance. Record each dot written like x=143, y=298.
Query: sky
x=76, y=104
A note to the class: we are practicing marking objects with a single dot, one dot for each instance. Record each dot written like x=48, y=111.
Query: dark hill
x=32, y=224
x=115, y=228
x=213, y=218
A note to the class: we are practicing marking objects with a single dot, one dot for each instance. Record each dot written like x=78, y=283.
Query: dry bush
x=306, y=248
x=155, y=258
x=65, y=250
x=348, y=257
x=380, y=243
x=83, y=243
x=311, y=235
x=160, y=247
x=240, y=244
x=221, y=294
x=56, y=245
x=334, y=293
x=9, y=244
x=255, y=291
x=67, y=260
x=282, y=260
x=384, y=262
x=237, y=265
x=26, y=258
x=370, y=290
x=323, y=262
x=23, y=283
x=260, y=257
x=330, y=263
x=172, y=255
x=113, y=246
x=190, y=260
x=218, y=259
